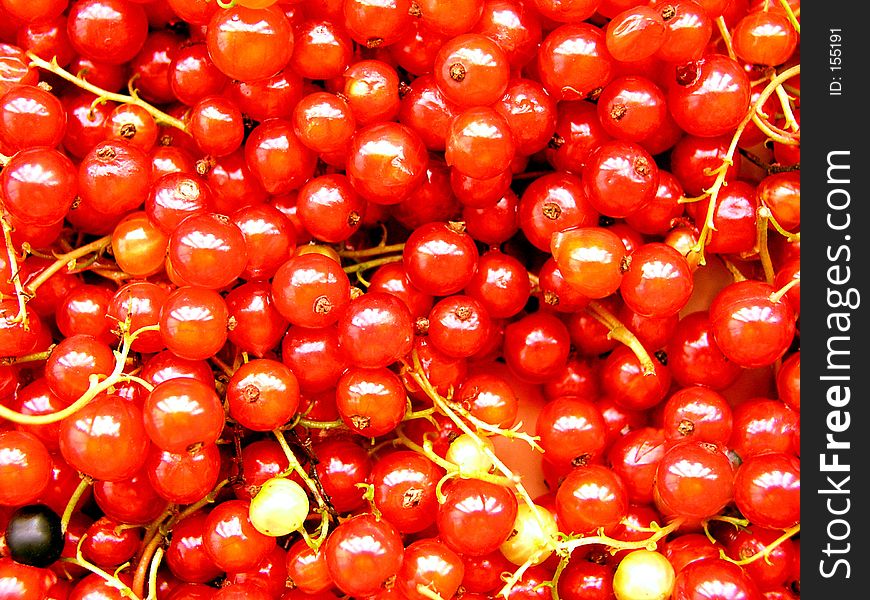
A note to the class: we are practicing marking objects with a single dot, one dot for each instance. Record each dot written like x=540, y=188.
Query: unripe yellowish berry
x=467, y=454
x=643, y=575
x=280, y=507
x=326, y=251
x=533, y=537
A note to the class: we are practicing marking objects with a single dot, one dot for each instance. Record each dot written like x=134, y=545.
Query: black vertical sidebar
x=835, y=442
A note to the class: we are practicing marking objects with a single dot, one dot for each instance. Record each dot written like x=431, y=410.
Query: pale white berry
x=533, y=537
x=280, y=507
x=643, y=575
x=467, y=453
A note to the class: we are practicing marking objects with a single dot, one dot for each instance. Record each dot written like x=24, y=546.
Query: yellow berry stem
x=296, y=466
x=619, y=332
x=77, y=494
x=728, y=159
x=103, y=95
x=112, y=580
x=765, y=554
x=95, y=388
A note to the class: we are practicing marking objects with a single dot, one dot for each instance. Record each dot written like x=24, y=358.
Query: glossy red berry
x=216, y=125
x=500, y=284
x=376, y=25
x=30, y=116
x=479, y=143
x=620, y=178
x=471, y=70
x=767, y=490
x=710, y=96
x=114, y=177
x=249, y=44
x=750, y=324
x=573, y=61
x=230, y=539
x=713, y=573
x=635, y=458
x=106, y=439
x=371, y=402
x=553, y=203
x=362, y=554
x=592, y=259
x=430, y=564
x=193, y=322
x=764, y=38
x=476, y=516
x=182, y=413
x=658, y=281
x=694, y=480
x=635, y=34
x=590, y=497
x=440, y=258
x=208, y=250
x=572, y=431
x=262, y=394
x=386, y=162
x=277, y=159
x=375, y=330
x=536, y=346
x=311, y=290
x=186, y=555
x=698, y=413
x=39, y=185
x=109, y=31
x=185, y=477
x=25, y=468
x=322, y=49
x=459, y=326
x=73, y=362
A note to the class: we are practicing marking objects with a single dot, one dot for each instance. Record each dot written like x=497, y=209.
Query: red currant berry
x=590, y=497
x=250, y=44
x=230, y=539
x=375, y=330
x=750, y=325
x=476, y=516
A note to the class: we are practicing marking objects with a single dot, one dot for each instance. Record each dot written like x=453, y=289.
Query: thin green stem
x=619, y=332
x=53, y=67
x=74, y=499
x=371, y=264
x=777, y=295
x=112, y=580
x=792, y=18
x=142, y=567
x=765, y=553
x=728, y=160
x=27, y=358
x=789, y=236
x=15, y=269
x=296, y=466
x=788, y=113
x=726, y=36
x=312, y=424
x=209, y=498
x=418, y=375
x=761, y=243
x=152, y=574
x=95, y=388
x=373, y=251
x=68, y=260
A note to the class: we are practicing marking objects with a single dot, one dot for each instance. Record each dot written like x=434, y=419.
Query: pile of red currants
x=399, y=299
